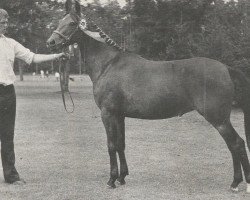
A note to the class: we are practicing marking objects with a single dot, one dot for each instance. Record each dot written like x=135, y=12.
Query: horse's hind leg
x=246, y=111
x=247, y=131
x=237, y=148
x=216, y=110
x=121, y=149
x=110, y=123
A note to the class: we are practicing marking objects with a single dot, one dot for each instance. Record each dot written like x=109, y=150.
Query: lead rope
x=62, y=72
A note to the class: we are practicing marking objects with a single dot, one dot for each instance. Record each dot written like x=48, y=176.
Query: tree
x=29, y=20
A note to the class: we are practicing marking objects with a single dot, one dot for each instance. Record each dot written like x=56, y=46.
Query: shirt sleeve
x=23, y=53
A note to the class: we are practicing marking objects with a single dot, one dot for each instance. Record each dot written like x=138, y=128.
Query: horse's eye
x=72, y=23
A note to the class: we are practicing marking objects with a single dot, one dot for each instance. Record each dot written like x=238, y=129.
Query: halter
x=82, y=24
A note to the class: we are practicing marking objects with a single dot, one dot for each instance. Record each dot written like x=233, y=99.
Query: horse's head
x=71, y=27
x=68, y=28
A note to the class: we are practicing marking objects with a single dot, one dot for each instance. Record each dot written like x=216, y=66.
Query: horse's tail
x=242, y=97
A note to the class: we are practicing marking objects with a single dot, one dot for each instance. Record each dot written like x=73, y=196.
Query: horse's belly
x=156, y=108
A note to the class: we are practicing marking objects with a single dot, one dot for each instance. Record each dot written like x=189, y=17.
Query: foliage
x=29, y=20
x=156, y=29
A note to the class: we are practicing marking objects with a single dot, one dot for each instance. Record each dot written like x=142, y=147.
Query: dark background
x=155, y=29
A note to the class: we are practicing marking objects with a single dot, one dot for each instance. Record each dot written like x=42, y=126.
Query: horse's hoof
x=111, y=185
x=235, y=190
x=19, y=182
x=121, y=181
x=248, y=188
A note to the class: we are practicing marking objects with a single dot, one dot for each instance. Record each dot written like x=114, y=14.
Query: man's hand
x=64, y=55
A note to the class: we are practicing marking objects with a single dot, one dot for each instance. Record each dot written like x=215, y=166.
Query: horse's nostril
x=51, y=43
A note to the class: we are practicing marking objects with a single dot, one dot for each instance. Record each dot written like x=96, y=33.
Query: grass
x=64, y=156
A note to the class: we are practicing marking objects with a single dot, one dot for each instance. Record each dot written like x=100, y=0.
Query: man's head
x=3, y=21
x=3, y=14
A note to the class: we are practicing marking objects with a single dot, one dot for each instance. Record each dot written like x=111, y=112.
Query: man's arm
x=38, y=58
x=29, y=57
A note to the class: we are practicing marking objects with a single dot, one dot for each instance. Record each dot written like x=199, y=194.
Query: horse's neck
x=97, y=55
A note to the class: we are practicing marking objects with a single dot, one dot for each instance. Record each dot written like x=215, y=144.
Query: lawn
x=64, y=156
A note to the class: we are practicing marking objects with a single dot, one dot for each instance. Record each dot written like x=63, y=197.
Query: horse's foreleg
x=121, y=149
x=237, y=148
x=109, y=121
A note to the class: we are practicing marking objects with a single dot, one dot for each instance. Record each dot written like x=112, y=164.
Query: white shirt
x=9, y=50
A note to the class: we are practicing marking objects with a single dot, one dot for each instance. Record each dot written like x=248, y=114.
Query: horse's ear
x=78, y=8
x=68, y=6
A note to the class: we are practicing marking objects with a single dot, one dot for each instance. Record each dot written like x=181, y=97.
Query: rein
x=63, y=90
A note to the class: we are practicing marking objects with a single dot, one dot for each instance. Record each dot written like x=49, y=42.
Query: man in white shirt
x=9, y=50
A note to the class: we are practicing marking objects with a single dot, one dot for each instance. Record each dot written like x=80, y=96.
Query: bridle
x=66, y=38
x=81, y=26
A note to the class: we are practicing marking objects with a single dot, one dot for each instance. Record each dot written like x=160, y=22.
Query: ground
x=64, y=156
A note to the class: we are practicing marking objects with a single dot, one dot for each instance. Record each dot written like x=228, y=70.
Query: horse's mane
x=106, y=38
x=102, y=34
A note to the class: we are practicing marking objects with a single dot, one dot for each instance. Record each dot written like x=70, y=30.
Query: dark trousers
x=7, y=126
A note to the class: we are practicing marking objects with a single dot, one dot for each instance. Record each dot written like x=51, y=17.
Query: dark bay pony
x=127, y=85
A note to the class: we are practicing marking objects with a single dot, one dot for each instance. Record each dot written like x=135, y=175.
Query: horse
x=128, y=85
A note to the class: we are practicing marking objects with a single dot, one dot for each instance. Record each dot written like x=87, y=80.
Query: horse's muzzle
x=51, y=43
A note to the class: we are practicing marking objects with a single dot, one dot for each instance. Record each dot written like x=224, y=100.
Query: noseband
x=66, y=38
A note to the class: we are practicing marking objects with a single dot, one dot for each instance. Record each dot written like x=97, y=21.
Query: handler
x=9, y=50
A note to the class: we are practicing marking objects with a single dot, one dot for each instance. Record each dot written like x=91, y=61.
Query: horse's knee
x=111, y=147
x=105, y=116
x=120, y=146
